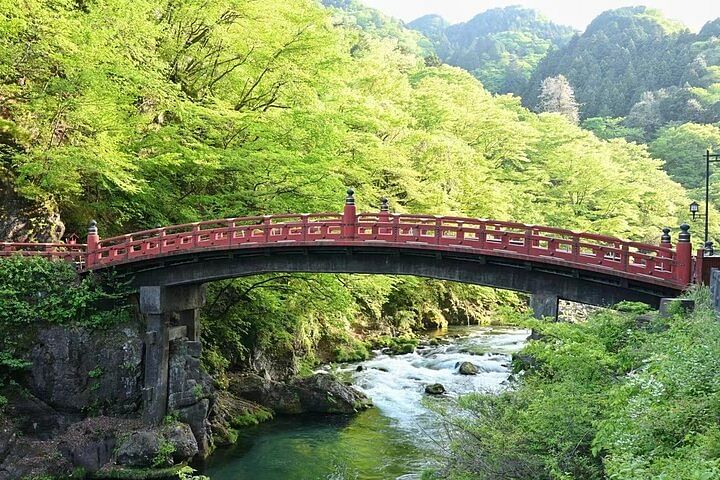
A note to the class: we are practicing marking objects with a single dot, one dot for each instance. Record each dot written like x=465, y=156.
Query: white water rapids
x=396, y=384
x=397, y=439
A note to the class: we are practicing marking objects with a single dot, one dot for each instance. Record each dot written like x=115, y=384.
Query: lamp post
x=695, y=207
x=709, y=158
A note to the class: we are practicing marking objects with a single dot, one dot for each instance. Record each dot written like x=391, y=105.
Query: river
x=396, y=440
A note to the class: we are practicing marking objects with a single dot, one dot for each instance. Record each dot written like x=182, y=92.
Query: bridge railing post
x=683, y=254
x=92, y=244
x=384, y=217
x=349, y=218
x=666, y=242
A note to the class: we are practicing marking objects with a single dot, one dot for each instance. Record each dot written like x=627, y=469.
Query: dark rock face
x=8, y=437
x=22, y=220
x=139, y=449
x=319, y=393
x=157, y=447
x=190, y=391
x=181, y=437
x=33, y=417
x=29, y=458
x=227, y=410
x=322, y=393
x=467, y=368
x=435, y=389
x=76, y=370
x=90, y=444
x=272, y=365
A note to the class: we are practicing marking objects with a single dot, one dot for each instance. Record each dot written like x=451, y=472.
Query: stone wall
x=80, y=405
x=715, y=288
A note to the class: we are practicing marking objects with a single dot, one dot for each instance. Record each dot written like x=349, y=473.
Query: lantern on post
x=694, y=209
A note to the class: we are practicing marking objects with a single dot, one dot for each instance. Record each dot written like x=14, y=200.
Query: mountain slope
x=501, y=46
x=622, y=54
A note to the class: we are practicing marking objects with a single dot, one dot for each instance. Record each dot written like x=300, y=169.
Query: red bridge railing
x=656, y=264
x=71, y=252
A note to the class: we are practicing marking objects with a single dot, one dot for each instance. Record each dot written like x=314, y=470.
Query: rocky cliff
x=79, y=405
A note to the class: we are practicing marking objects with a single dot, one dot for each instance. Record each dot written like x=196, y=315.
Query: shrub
x=356, y=352
x=604, y=399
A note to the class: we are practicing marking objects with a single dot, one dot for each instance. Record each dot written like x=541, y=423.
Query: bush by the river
x=612, y=398
x=36, y=291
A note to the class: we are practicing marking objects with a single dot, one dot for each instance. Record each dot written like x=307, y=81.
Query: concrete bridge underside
x=172, y=292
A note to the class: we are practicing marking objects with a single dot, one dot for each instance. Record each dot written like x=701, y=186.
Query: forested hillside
x=621, y=54
x=632, y=74
x=139, y=113
x=636, y=75
x=501, y=46
x=635, y=63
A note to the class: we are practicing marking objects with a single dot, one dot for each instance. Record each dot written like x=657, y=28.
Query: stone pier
x=170, y=313
x=545, y=305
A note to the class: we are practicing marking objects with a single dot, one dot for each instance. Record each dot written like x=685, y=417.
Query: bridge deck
x=652, y=264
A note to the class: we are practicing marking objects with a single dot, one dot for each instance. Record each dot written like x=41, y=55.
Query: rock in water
x=467, y=368
x=359, y=368
x=322, y=393
x=318, y=393
x=435, y=389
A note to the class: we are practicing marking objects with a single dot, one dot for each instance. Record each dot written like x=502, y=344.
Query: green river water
x=397, y=439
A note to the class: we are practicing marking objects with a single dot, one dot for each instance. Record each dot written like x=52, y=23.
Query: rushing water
x=397, y=439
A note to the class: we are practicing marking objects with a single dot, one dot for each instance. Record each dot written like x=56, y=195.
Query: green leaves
x=35, y=290
x=604, y=399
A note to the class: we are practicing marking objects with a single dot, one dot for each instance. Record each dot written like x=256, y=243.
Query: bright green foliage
x=254, y=417
x=33, y=289
x=163, y=458
x=318, y=317
x=354, y=13
x=352, y=353
x=609, y=128
x=613, y=398
x=683, y=148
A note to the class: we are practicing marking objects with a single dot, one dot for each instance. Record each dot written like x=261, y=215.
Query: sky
x=576, y=13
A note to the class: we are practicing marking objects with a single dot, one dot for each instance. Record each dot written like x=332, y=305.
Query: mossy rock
x=435, y=389
x=468, y=368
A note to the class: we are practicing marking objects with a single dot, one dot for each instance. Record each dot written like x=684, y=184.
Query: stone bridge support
x=545, y=305
x=170, y=313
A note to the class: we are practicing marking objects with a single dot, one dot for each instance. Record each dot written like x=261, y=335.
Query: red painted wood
x=654, y=264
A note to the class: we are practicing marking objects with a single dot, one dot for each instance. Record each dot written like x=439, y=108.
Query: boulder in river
x=467, y=368
x=318, y=393
x=435, y=389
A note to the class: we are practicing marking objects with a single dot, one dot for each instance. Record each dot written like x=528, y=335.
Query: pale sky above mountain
x=576, y=13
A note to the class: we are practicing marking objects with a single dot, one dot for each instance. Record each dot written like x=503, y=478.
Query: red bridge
x=170, y=265
x=650, y=270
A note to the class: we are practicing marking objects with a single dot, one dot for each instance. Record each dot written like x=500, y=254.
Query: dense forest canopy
x=501, y=47
x=623, y=54
x=632, y=74
x=145, y=113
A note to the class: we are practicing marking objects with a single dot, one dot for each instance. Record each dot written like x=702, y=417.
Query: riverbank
x=315, y=446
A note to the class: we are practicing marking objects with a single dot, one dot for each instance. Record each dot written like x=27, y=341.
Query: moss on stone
x=137, y=473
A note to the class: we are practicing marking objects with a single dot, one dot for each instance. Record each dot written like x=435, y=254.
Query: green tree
x=682, y=148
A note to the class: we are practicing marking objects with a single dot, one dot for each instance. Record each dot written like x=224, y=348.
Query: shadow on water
x=333, y=447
